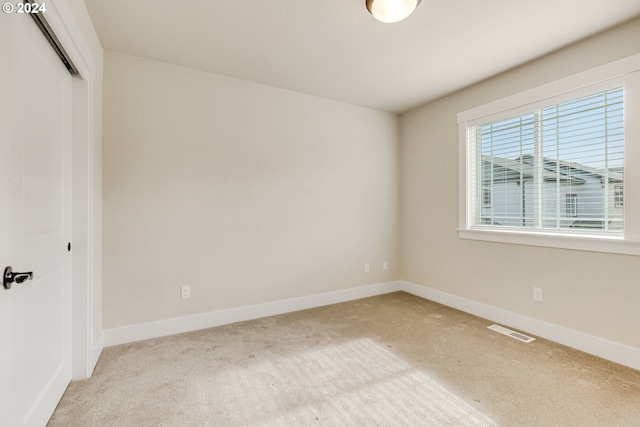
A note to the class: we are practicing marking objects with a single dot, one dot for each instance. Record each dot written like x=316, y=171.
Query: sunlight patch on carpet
x=358, y=382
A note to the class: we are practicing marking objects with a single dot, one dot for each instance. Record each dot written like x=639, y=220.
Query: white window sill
x=581, y=242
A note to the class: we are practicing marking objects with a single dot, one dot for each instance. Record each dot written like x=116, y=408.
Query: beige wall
x=81, y=16
x=247, y=193
x=594, y=293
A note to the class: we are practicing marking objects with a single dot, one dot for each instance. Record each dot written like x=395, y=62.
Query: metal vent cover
x=510, y=333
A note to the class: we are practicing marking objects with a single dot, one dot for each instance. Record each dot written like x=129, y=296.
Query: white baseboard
x=615, y=352
x=195, y=322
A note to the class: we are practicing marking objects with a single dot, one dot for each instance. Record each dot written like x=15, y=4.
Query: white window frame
x=627, y=73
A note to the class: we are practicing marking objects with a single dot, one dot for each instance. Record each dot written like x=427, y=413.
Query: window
x=486, y=196
x=537, y=163
x=572, y=205
x=619, y=196
x=547, y=166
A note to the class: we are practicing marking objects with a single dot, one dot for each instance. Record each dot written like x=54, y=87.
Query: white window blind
x=555, y=167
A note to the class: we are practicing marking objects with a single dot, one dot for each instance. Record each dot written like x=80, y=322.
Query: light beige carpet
x=392, y=360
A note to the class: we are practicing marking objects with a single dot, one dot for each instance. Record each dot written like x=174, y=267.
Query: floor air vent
x=510, y=333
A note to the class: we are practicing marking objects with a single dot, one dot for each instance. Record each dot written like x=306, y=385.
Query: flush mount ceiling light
x=389, y=11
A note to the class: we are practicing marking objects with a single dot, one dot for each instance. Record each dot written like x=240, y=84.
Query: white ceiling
x=335, y=49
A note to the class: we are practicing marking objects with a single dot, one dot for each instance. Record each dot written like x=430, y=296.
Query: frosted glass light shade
x=390, y=11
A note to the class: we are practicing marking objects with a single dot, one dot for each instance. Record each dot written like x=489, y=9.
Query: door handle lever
x=21, y=277
x=9, y=277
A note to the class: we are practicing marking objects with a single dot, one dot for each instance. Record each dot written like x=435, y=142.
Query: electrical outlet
x=185, y=292
x=537, y=294
x=385, y=265
x=367, y=268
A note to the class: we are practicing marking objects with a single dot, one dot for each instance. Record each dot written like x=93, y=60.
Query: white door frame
x=85, y=346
